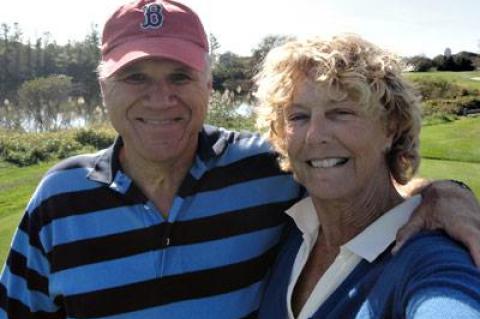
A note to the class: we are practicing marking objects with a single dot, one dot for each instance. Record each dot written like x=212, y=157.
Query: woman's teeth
x=329, y=162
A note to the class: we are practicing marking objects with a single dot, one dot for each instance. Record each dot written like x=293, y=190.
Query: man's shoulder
x=221, y=145
x=85, y=162
x=244, y=139
x=69, y=175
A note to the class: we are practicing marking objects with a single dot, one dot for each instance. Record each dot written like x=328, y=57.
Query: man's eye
x=180, y=78
x=135, y=78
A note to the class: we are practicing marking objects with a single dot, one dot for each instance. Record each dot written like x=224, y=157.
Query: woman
x=346, y=124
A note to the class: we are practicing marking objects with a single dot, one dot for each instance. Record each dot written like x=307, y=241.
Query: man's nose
x=161, y=94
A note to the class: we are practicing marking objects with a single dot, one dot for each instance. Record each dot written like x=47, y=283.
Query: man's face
x=158, y=107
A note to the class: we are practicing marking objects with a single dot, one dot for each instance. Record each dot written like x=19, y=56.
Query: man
x=176, y=219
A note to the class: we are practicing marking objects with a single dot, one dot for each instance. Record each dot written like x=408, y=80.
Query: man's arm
x=447, y=206
x=24, y=281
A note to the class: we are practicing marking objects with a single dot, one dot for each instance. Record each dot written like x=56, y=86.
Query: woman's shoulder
x=434, y=257
x=434, y=246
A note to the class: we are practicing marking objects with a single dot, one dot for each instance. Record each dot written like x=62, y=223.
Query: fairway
x=464, y=79
x=466, y=172
x=456, y=141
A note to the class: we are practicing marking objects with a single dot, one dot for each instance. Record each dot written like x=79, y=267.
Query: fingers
x=470, y=237
x=413, y=226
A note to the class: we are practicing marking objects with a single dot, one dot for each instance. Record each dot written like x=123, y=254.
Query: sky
x=406, y=27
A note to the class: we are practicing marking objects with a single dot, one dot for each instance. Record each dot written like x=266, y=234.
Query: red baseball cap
x=153, y=29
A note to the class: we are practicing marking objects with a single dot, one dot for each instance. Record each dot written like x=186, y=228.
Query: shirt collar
x=212, y=142
x=376, y=238
x=371, y=242
x=304, y=215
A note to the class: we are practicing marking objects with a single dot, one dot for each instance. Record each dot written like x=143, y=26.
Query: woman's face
x=336, y=149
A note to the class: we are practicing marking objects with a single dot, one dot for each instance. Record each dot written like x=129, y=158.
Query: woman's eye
x=344, y=112
x=296, y=117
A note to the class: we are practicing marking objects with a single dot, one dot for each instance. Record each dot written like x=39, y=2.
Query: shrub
x=438, y=89
x=99, y=137
x=438, y=118
x=454, y=106
x=25, y=149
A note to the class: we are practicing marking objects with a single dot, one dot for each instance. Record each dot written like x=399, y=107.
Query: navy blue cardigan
x=431, y=277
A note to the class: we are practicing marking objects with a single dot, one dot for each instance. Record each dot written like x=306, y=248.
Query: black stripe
x=180, y=233
x=229, y=224
x=253, y=315
x=248, y=169
x=170, y=289
x=17, y=310
x=18, y=266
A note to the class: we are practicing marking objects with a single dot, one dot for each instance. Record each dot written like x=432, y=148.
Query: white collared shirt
x=368, y=245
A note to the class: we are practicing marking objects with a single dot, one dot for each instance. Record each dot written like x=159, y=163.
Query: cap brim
x=133, y=50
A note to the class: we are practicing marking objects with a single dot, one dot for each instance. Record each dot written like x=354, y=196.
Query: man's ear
x=102, y=87
x=210, y=82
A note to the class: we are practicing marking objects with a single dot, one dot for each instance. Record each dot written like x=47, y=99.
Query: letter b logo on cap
x=153, y=17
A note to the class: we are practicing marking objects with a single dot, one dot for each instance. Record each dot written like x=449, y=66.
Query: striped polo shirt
x=91, y=245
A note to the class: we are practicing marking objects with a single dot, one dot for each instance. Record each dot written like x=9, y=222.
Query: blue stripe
x=96, y=224
x=198, y=168
x=218, y=253
x=235, y=304
x=61, y=182
x=178, y=260
x=35, y=258
x=17, y=289
x=3, y=314
x=239, y=196
x=244, y=148
x=105, y=275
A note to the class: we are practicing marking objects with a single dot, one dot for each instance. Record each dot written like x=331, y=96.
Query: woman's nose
x=318, y=131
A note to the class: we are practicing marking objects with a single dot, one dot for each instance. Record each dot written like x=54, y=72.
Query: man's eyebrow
x=127, y=70
x=184, y=69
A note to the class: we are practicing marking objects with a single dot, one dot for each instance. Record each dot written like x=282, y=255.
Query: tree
x=214, y=46
x=420, y=63
x=464, y=61
x=265, y=45
x=42, y=99
x=232, y=72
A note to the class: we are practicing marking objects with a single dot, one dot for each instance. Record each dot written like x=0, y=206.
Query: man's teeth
x=326, y=163
x=160, y=122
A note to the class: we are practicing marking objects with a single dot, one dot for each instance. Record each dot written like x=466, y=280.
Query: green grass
x=469, y=173
x=455, y=141
x=16, y=187
x=463, y=79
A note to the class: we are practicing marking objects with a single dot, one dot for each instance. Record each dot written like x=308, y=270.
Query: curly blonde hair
x=347, y=66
